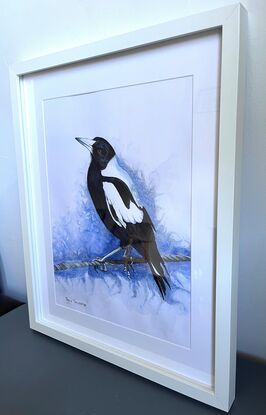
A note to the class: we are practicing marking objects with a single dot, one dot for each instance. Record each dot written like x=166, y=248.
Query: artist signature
x=74, y=301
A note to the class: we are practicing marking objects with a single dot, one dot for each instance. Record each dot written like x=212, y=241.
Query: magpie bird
x=116, y=202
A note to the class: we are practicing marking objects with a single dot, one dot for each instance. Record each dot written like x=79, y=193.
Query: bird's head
x=101, y=151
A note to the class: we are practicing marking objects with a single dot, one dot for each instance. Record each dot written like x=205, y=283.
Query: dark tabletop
x=41, y=376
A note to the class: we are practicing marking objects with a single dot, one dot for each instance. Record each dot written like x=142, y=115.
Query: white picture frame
x=231, y=21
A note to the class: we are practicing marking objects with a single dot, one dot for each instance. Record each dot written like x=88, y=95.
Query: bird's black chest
x=95, y=187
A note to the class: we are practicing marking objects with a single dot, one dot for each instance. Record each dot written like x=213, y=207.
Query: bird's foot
x=128, y=267
x=99, y=264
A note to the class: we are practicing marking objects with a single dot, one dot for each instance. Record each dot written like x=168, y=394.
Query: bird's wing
x=120, y=202
x=114, y=170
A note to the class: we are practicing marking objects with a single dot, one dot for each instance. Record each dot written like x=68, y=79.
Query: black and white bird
x=116, y=202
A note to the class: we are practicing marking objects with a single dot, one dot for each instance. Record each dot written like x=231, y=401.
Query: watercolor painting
x=119, y=172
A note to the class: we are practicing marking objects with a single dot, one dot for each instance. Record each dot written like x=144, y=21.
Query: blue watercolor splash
x=80, y=235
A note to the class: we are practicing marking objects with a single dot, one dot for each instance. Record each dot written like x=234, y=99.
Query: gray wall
x=31, y=28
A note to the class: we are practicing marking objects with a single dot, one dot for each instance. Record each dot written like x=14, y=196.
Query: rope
x=81, y=264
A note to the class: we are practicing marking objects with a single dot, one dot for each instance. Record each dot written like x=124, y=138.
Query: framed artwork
x=128, y=159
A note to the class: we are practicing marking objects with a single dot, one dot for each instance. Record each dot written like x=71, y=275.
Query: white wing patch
x=113, y=169
x=125, y=215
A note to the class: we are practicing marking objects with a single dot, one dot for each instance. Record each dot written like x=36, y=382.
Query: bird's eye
x=101, y=152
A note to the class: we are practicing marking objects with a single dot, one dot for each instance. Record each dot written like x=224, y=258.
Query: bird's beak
x=86, y=142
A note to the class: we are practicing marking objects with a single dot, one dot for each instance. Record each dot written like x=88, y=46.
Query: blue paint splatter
x=81, y=235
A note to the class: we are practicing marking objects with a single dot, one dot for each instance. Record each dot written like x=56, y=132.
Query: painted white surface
x=29, y=29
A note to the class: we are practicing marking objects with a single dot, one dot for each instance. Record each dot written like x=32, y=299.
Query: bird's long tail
x=152, y=255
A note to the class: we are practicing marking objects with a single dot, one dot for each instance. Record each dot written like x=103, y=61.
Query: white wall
x=31, y=28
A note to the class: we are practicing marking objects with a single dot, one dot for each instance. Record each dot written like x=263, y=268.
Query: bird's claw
x=98, y=264
x=128, y=267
